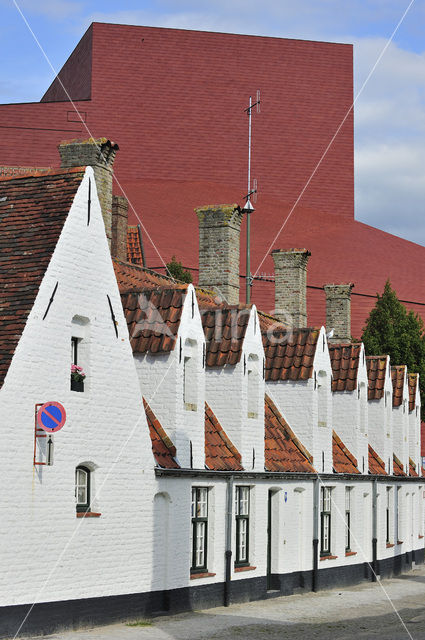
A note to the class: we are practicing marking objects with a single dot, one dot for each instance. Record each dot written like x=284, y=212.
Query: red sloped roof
x=412, y=379
x=283, y=450
x=220, y=452
x=131, y=277
x=397, y=466
x=343, y=459
x=376, y=370
x=412, y=468
x=345, y=365
x=33, y=209
x=376, y=464
x=289, y=353
x=397, y=377
x=224, y=334
x=153, y=318
x=163, y=449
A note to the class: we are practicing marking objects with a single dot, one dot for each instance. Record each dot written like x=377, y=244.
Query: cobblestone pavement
x=359, y=612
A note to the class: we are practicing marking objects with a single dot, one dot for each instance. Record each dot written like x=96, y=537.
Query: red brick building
x=174, y=100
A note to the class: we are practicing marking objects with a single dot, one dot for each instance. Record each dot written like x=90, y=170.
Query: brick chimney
x=100, y=154
x=338, y=311
x=290, y=268
x=119, y=227
x=219, y=236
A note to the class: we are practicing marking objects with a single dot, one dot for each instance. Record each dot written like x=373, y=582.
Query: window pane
x=347, y=499
x=243, y=528
x=200, y=544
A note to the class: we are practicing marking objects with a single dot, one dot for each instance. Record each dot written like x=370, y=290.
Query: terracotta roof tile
x=153, y=318
x=131, y=277
x=283, y=450
x=134, y=246
x=224, y=331
x=412, y=468
x=376, y=370
x=289, y=352
x=343, y=459
x=412, y=379
x=220, y=452
x=397, y=466
x=163, y=449
x=33, y=209
x=345, y=365
x=397, y=377
x=376, y=464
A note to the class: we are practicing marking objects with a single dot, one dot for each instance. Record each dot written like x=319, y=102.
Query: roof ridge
x=39, y=173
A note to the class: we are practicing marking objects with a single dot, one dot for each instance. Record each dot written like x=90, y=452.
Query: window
x=347, y=518
x=322, y=399
x=82, y=489
x=399, y=518
x=74, y=350
x=388, y=517
x=199, y=528
x=80, y=329
x=325, y=521
x=242, y=525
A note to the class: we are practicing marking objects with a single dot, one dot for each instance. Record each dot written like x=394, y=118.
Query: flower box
x=77, y=385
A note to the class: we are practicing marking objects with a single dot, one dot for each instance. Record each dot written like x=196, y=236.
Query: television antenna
x=252, y=192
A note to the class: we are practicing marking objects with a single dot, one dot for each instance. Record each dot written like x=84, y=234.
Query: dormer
x=380, y=401
x=235, y=378
x=349, y=399
x=400, y=415
x=414, y=420
x=169, y=350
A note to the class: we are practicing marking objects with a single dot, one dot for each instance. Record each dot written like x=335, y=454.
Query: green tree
x=392, y=329
x=176, y=270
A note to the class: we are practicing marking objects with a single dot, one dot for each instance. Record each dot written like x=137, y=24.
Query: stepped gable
x=153, y=318
x=412, y=469
x=412, y=380
x=397, y=466
x=397, y=377
x=283, y=450
x=224, y=330
x=345, y=365
x=33, y=210
x=163, y=449
x=134, y=246
x=343, y=459
x=220, y=452
x=376, y=370
x=289, y=352
x=376, y=464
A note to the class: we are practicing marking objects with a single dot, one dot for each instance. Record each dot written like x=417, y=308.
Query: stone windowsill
x=88, y=514
x=189, y=406
x=420, y=537
x=390, y=545
x=399, y=541
x=328, y=557
x=206, y=574
x=252, y=414
x=248, y=568
x=350, y=553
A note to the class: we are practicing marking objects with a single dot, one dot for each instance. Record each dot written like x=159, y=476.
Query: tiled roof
x=134, y=247
x=397, y=466
x=412, y=468
x=131, y=277
x=153, y=318
x=397, y=377
x=289, y=353
x=220, y=452
x=224, y=334
x=163, y=449
x=376, y=464
x=283, y=450
x=412, y=379
x=343, y=459
x=345, y=365
x=33, y=209
x=376, y=370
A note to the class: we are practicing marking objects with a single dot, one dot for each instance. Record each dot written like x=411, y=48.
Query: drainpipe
x=228, y=552
x=374, y=530
x=316, y=492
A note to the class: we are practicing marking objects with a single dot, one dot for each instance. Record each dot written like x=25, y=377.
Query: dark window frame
x=325, y=516
x=240, y=518
x=348, y=519
x=74, y=348
x=388, y=517
x=197, y=522
x=83, y=507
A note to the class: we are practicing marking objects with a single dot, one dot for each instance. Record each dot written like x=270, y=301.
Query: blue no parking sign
x=51, y=416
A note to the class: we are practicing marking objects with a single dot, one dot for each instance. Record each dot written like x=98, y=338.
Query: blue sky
x=389, y=114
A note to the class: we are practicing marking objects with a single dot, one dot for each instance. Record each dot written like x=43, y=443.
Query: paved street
x=362, y=612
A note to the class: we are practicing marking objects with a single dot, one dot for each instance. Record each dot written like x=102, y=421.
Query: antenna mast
x=248, y=208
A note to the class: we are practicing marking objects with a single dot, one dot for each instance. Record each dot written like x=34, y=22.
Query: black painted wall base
x=51, y=617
